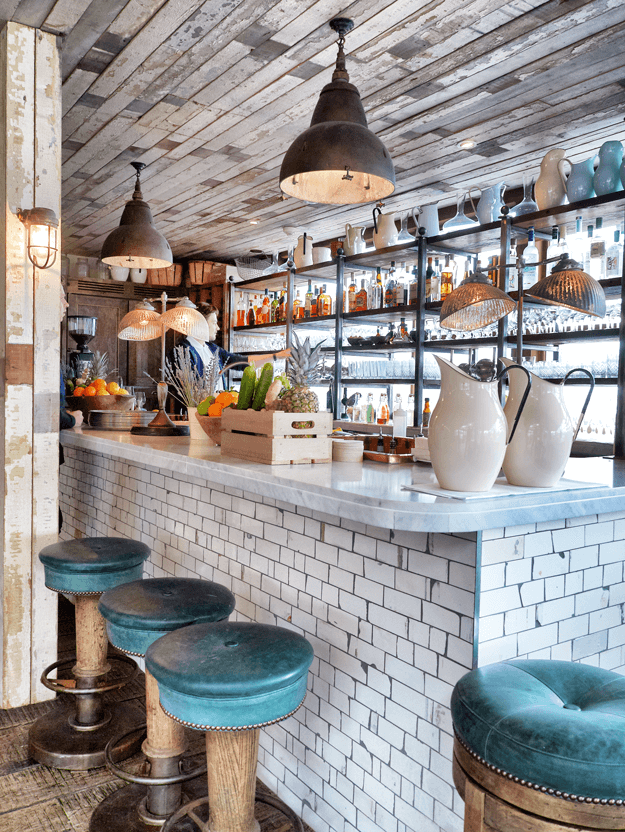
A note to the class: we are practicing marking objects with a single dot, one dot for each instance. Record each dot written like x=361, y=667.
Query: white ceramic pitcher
x=490, y=204
x=354, y=242
x=303, y=254
x=545, y=431
x=468, y=429
x=428, y=219
x=385, y=231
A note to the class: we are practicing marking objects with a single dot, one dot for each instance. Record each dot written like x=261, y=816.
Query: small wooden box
x=269, y=436
x=171, y=276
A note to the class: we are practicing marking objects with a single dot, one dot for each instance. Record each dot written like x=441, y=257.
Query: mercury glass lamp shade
x=568, y=285
x=143, y=323
x=185, y=318
x=474, y=304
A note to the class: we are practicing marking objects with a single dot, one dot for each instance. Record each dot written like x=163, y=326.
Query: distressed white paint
x=29, y=176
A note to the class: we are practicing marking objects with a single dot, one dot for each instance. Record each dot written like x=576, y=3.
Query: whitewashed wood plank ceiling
x=210, y=93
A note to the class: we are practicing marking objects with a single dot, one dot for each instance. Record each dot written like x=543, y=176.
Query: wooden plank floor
x=36, y=798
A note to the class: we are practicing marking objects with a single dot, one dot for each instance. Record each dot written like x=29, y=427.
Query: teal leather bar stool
x=137, y=614
x=229, y=680
x=75, y=738
x=539, y=745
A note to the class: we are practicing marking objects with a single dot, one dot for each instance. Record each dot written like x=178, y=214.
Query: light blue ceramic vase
x=607, y=177
x=580, y=184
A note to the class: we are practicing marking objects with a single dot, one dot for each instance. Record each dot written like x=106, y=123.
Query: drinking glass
x=140, y=399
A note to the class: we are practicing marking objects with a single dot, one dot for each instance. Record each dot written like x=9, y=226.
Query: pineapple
x=302, y=371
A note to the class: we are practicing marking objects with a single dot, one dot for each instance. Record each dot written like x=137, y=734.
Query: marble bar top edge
x=376, y=499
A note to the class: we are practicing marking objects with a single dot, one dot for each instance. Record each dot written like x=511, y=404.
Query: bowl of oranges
x=100, y=395
x=209, y=413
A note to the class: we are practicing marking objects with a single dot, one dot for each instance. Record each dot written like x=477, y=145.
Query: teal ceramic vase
x=607, y=178
x=580, y=181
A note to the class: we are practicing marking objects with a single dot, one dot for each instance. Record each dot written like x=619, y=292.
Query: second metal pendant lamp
x=338, y=160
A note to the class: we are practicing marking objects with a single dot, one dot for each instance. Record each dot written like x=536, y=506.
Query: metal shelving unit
x=467, y=242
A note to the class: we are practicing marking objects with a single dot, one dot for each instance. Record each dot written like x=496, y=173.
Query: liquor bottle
x=587, y=247
x=308, y=300
x=564, y=248
x=241, y=311
x=576, y=243
x=597, y=252
x=410, y=410
x=383, y=411
x=403, y=331
x=314, y=305
x=389, y=289
x=298, y=309
x=531, y=256
x=513, y=275
x=264, y=312
x=401, y=286
x=425, y=417
x=251, y=317
x=377, y=300
x=553, y=249
x=371, y=414
x=351, y=295
x=454, y=270
x=400, y=417
x=614, y=257
x=324, y=303
x=274, y=308
x=414, y=286
x=447, y=280
x=360, y=300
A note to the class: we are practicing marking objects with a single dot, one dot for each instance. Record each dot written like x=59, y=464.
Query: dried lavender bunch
x=189, y=386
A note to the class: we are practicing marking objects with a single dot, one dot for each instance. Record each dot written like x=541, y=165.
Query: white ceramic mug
x=321, y=254
x=119, y=272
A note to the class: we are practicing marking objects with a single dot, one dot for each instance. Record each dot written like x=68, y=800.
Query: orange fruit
x=215, y=409
x=102, y=393
x=79, y=391
x=90, y=391
x=224, y=399
x=113, y=387
x=98, y=383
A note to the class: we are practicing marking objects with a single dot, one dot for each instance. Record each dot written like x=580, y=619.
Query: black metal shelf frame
x=466, y=242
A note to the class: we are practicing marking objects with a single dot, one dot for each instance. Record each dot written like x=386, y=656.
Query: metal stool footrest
x=189, y=810
x=145, y=780
x=59, y=687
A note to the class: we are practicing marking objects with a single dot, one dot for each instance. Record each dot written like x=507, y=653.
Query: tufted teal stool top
x=228, y=680
x=137, y=614
x=85, y=568
x=540, y=737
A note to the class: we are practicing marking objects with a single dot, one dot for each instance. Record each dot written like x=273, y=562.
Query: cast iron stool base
x=194, y=816
x=53, y=741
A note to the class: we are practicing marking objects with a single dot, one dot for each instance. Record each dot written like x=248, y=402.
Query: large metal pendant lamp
x=474, y=304
x=136, y=243
x=568, y=285
x=338, y=160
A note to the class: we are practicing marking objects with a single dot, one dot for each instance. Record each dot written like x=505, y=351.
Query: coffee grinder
x=82, y=329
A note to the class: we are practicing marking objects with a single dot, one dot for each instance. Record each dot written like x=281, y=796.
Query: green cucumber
x=246, y=391
x=264, y=382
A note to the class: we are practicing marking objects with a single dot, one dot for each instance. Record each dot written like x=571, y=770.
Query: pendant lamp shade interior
x=143, y=323
x=338, y=160
x=136, y=243
x=185, y=318
x=568, y=285
x=476, y=303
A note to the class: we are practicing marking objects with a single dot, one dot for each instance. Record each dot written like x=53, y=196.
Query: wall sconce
x=41, y=245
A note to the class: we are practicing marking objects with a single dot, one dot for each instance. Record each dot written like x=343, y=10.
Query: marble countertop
x=367, y=492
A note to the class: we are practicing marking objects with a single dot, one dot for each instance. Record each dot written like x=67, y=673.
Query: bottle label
x=597, y=248
x=611, y=265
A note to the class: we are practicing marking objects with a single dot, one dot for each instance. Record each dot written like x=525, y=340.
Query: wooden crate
x=171, y=276
x=269, y=436
x=202, y=272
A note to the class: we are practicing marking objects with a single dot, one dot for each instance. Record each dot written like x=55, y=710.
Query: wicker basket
x=171, y=276
x=250, y=267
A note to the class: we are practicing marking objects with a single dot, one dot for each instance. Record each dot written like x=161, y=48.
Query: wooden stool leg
x=91, y=652
x=232, y=758
x=164, y=746
x=473, y=807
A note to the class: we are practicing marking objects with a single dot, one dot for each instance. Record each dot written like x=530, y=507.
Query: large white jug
x=354, y=242
x=468, y=430
x=385, y=231
x=490, y=204
x=545, y=431
x=428, y=219
x=303, y=254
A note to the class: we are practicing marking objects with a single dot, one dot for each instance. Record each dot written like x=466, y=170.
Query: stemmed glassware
x=527, y=204
x=460, y=220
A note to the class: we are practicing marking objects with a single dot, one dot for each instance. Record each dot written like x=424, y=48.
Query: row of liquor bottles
x=599, y=250
x=379, y=413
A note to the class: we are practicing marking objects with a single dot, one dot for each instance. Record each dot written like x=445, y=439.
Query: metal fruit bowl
x=118, y=419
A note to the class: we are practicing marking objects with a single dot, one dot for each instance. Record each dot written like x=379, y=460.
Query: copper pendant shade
x=475, y=304
x=338, y=160
x=136, y=243
x=568, y=285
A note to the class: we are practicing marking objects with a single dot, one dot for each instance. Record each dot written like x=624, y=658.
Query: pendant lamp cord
x=340, y=71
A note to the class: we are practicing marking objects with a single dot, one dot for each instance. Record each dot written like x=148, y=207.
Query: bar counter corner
x=400, y=594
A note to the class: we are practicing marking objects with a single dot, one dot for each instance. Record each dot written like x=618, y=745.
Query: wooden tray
x=269, y=437
x=403, y=452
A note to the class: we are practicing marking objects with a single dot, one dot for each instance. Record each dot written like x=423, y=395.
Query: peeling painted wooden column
x=30, y=175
